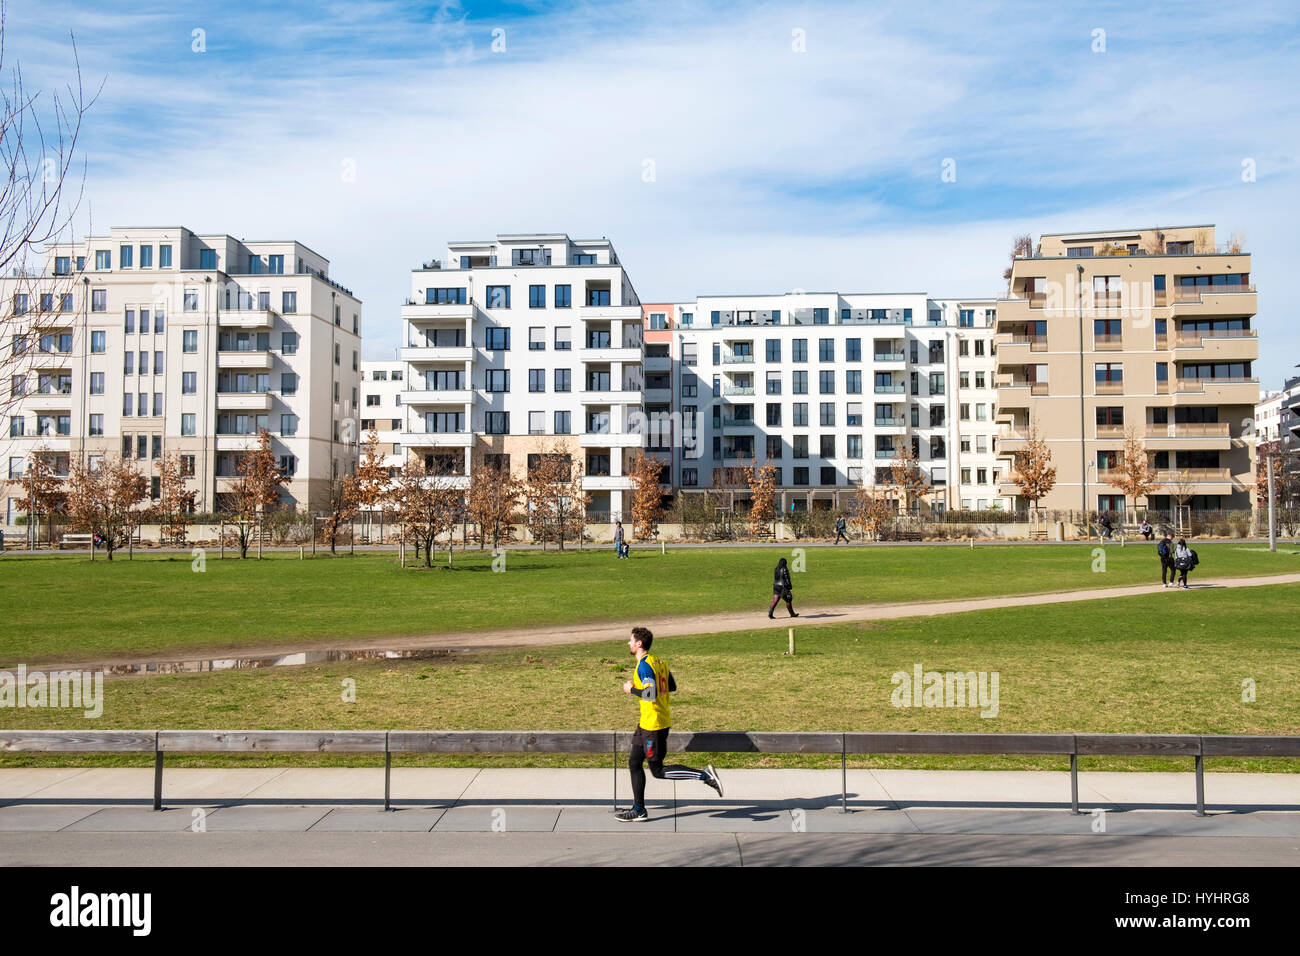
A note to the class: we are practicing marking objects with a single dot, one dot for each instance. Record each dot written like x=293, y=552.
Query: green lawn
x=68, y=607
x=1165, y=662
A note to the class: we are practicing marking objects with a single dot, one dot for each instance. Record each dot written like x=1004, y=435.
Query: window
x=498, y=297
x=800, y=446
x=690, y=477
x=854, y=414
x=563, y=380
x=801, y=476
x=288, y=425
x=981, y=412
x=563, y=423
x=191, y=300
x=826, y=350
x=966, y=318
x=498, y=340
x=497, y=380
x=157, y=404
x=289, y=343
x=537, y=297
x=98, y=300
x=189, y=383
x=288, y=383
x=142, y=405
x=128, y=405
x=98, y=341
x=937, y=416
x=144, y=363
x=597, y=297
x=690, y=353
x=128, y=366
x=774, y=414
x=97, y=426
x=853, y=350
x=800, y=414
x=537, y=380
x=853, y=382
x=826, y=382
x=537, y=338
x=563, y=296
x=821, y=316
x=444, y=297
x=536, y=423
x=690, y=386
x=774, y=383
x=854, y=447
x=938, y=450
x=65, y=302
x=799, y=347
x=1079, y=252
x=96, y=383
x=164, y=257
x=980, y=380
x=936, y=383
x=828, y=413
x=125, y=257
x=288, y=465
x=497, y=423
x=157, y=363
x=1109, y=371
x=827, y=446
x=207, y=258
x=289, y=302
x=103, y=259
x=658, y=321
x=774, y=350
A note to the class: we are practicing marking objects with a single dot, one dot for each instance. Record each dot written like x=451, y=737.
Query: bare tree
x=340, y=509
x=38, y=141
x=1032, y=469
x=371, y=479
x=762, y=501
x=647, y=497
x=428, y=505
x=44, y=490
x=494, y=495
x=175, y=500
x=872, y=509
x=1135, y=477
x=556, y=503
x=907, y=476
x=257, y=488
x=103, y=500
x=1022, y=247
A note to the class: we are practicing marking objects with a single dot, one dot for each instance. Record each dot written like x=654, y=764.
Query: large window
x=563, y=296
x=826, y=350
x=497, y=423
x=497, y=340
x=800, y=384
x=826, y=382
x=537, y=380
x=563, y=380
x=444, y=296
x=799, y=349
x=537, y=297
x=774, y=350
x=498, y=297
x=497, y=380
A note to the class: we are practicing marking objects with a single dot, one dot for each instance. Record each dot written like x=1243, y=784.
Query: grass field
x=1166, y=662
x=68, y=607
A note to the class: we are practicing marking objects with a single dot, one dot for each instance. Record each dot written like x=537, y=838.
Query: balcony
x=607, y=483
x=436, y=439
x=247, y=358
x=1196, y=293
x=1106, y=300
x=738, y=360
x=591, y=396
x=243, y=401
x=891, y=423
x=1110, y=431
x=658, y=395
x=890, y=357
x=1036, y=343
x=883, y=454
x=738, y=390
x=236, y=442
x=897, y=389
x=246, y=319
x=433, y=396
x=437, y=353
x=1172, y=476
x=1110, y=387
x=1189, y=430
x=450, y=312
x=657, y=363
x=1197, y=339
x=1200, y=384
x=733, y=422
x=47, y=401
x=611, y=440
x=610, y=353
x=1107, y=343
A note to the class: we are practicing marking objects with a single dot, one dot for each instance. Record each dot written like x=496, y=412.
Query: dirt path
x=674, y=626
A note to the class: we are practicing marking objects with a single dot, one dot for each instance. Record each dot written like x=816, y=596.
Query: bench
x=389, y=742
x=77, y=539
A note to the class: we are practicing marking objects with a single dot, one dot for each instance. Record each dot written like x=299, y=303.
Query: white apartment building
x=382, y=386
x=826, y=386
x=145, y=341
x=522, y=344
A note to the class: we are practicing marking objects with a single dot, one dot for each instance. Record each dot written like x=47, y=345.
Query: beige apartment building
x=1146, y=329
x=146, y=341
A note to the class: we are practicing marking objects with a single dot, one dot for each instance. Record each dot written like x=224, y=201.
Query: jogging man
x=653, y=683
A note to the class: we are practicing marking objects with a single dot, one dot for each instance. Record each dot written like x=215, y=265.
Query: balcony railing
x=737, y=360
x=1110, y=387
x=890, y=356
x=1189, y=430
x=1110, y=431
x=1172, y=476
x=889, y=422
x=898, y=389
x=1037, y=388
x=1194, y=293
x=1198, y=384
x=886, y=453
x=1106, y=300
x=1194, y=338
x=1036, y=343
x=738, y=390
x=1107, y=342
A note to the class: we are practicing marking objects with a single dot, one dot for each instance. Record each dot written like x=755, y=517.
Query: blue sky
x=774, y=167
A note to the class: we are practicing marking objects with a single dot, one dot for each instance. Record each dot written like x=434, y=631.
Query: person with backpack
x=1184, y=560
x=620, y=546
x=1104, y=524
x=1165, y=549
x=782, y=589
x=840, y=526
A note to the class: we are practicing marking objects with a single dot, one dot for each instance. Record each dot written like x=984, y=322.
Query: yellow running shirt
x=652, y=676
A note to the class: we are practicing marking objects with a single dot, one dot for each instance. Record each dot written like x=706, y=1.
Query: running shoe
x=711, y=779
x=632, y=815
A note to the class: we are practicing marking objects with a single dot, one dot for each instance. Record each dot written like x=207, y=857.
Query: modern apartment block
x=1277, y=423
x=382, y=387
x=519, y=345
x=827, y=387
x=145, y=341
x=1147, y=329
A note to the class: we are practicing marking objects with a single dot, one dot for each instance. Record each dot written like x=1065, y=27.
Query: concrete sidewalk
x=574, y=801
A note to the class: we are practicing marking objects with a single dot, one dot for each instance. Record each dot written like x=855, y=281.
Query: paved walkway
x=450, y=816
x=685, y=625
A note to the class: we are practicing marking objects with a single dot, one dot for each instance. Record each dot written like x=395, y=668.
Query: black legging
x=636, y=761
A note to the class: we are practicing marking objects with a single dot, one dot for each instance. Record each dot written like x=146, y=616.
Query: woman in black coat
x=782, y=589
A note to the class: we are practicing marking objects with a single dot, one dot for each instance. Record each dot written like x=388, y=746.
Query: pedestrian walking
x=782, y=590
x=1104, y=524
x=653, y=682
x=1165, y=549
x=620, y=546
x=840, y=526
x=1184, y=560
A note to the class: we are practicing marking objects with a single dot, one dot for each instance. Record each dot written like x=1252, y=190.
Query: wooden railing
x=389, y=742
x=1186, y=430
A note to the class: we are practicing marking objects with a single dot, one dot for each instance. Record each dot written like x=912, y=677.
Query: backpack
x=1162, y=549
x=1195, y=559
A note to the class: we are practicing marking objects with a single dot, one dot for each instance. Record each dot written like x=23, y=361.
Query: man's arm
x=672, y=684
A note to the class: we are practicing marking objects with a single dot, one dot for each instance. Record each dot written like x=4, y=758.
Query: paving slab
x=601, y=819
x=573, y=786
x=24, y=781
x=500, y=819
x=43, y=818
x=984, y=787
x=857, y=820
x=741, y=818
x=103, y=784
x=1179, y=789
x=202, y=783
x=430, y=786
x=138, y=819
x=328, y=784
x=264, y=818
x=368, y=820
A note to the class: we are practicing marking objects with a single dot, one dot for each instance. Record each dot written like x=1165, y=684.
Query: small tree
x=554, y=497
x=907, y=476
x=872, y=510
x=1032, y=470
x=256, y=489
x=762, y=497
x=647, y=497
x=428, y=505
x=341, y=510
x=494, y=495
x=44, y=488
x=1022, y=247
x=1135, y=477
x=103, y=500
x=175, y=501
x=371, y=479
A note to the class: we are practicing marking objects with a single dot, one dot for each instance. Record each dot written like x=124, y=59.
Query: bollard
x=300, y=553
x=791, y=651
x=663, y=547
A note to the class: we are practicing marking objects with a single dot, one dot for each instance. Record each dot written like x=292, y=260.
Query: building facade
x=520, y=346
x=1146, y=330
x=382, y=387
x=147, y=341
